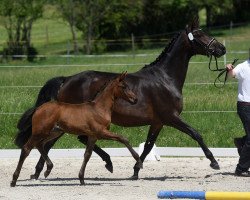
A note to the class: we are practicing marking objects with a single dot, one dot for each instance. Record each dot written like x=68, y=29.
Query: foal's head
x=201, y=42
x=121, y=89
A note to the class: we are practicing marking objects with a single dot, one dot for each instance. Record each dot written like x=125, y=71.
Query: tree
x=69, y=11
x=90, y=13
x=122, y=19
x=216, y=11
x=18, y=17
x=98, y=19
x=160, y=16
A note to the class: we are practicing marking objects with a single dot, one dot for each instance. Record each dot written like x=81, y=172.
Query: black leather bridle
x=209, y=53
x=207, y=46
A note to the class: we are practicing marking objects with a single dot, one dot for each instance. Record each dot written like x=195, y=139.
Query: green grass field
x=217, y=128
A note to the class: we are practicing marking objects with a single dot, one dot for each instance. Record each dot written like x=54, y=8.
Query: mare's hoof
x=134, y=177
x=109, y=167
x=215, y=165
x=13, y=184
x=46, y=173
x=34, y=176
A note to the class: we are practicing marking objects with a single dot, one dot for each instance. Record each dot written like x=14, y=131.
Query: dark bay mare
x=91, y=119
x=158, y=87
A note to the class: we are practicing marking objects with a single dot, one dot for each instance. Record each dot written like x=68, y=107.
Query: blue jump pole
x=163, y=194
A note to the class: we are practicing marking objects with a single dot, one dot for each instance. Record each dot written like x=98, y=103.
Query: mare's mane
x=165, y=50
x=100, y=90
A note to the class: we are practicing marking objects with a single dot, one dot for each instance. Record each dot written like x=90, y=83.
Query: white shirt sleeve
x=239, y=71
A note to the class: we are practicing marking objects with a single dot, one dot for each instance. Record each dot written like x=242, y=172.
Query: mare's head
x=201, y=42
x=121, y=89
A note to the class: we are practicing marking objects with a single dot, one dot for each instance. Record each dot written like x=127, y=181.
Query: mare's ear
x=194, y=24
x=122, y=76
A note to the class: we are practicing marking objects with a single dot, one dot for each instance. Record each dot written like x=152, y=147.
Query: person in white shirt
x=242, y=73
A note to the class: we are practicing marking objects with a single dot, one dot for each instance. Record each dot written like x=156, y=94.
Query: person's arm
x=230, y=70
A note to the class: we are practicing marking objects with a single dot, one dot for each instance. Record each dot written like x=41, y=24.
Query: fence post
x=231, y=28
x=68, y=51
x=225, y=57
x=47, y=35
x=133, y=44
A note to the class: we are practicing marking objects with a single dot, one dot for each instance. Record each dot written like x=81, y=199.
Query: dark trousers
x=243, y=111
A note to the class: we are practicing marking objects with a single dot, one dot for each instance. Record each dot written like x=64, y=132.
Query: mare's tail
x=47, y=93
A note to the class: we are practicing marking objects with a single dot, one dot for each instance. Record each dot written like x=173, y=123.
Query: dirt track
x=167, y=174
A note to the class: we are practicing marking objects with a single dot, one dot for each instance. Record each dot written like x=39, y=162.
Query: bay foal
x=91, y=119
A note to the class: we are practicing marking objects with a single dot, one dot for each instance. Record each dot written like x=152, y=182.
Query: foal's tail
x=47, y=93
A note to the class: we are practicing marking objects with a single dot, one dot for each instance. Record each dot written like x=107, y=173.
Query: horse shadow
x=48, y=182
x=220, y=173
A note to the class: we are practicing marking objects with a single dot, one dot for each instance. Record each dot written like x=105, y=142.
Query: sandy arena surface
x=167, y=174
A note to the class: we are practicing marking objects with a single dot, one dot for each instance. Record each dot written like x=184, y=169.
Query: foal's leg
x=112, y=136
x=87, y=154
x=151, y=138
x=24, y=153
x=40, y=164
x=105, y=157
x=83, y=139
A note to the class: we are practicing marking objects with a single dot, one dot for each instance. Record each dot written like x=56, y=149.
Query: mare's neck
x=175, y=62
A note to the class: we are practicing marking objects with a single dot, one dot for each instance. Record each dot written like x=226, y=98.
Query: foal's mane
x=101, y=90
x=165, y=50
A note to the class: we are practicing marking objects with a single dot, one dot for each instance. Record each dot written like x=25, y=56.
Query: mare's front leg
x=184, y=127
x=106, y=134
x=88, y=152
x=105, y=157
x=24, y=154
x=151, y=138
x=40, y=164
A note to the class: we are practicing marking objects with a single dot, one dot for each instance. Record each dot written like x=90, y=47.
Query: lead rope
x=222, y=71
x=216, y=64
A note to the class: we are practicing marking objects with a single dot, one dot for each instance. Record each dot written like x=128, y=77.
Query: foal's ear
x=122, y=76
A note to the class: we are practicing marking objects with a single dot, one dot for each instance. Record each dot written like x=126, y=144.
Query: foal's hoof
x=82, y=182
x=34, y=176
x=109, y=167
x=215, y=165
x=12, y=184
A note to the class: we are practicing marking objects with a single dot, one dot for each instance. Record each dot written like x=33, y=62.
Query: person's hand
x=229, y=67
x=230, y=70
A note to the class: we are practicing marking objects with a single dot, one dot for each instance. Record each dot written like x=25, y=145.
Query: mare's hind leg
x=112, y=136
x=40, y=164
x=46, y=158
x=87, y=154
x=105, y=157
x=151, y=138
x=182, y=126
x=24, y=154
